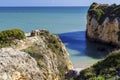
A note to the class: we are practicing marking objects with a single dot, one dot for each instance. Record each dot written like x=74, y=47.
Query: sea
x=68, y=22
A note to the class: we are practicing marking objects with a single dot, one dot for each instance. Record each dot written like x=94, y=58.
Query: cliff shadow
x=77, y=41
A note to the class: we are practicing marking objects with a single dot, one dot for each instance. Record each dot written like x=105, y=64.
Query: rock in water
x=103, y=23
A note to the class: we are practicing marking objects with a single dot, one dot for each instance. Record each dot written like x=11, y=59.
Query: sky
x=54, y=2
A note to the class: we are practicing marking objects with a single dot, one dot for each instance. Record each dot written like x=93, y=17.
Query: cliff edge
x=103, y=23
x=37, y=56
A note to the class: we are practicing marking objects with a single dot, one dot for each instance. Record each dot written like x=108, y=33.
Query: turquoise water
x=54, y=19
x=68, y=22
x=83, y=53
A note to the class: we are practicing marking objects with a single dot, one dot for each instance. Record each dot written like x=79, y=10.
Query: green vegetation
x=53, y=43
x=101, y=11
x=94, y=4
x=98, y=13
x=7, y=36
x=71, y=79
x=34, y=51
x=104, y=69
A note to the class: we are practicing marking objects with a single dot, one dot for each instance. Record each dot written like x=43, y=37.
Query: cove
x=84, y=53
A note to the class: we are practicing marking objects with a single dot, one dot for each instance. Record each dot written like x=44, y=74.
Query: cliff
x=103, y=23
x=39, y=56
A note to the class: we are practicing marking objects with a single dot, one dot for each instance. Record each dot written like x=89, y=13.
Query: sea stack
x=103, y=23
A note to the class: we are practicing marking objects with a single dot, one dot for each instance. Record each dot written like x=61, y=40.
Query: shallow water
x=68, y=22
x=83, y=53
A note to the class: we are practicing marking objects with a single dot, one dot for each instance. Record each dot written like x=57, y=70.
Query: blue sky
x=53, y=2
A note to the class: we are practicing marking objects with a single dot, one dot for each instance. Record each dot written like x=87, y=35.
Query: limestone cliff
x=103, y=23
x=41, y=56
x=17, y=65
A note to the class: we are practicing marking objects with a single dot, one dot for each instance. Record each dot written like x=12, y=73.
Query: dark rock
x=71, y=74
x=102, y=49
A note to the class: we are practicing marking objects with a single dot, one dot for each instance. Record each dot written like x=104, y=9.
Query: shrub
x=97, y=78
x=54, y=44
x=71, y=79
x=7, y=36
x=94, y=4
x=100, y=78
x=105, y=68
x=11, y=35
x=103, y=7
x=99, y=13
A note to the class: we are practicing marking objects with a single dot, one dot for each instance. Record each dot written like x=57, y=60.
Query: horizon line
x=44, y=6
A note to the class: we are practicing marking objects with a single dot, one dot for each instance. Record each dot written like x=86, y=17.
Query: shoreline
x=78, y=69
x=82, y=67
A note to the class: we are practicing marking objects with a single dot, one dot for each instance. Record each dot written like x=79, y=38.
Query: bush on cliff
x=53, y=44
x=7, y=36
x=98, y=14
x=101, y=11
x=94, y=4
x=106, y=68
x=34, y=51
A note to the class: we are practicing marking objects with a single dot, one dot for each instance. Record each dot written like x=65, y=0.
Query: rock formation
x=41, y=56
x=17, y=65
x=103, y=23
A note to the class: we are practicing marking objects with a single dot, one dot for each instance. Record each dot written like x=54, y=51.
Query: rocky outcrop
x=17, y=65
x=103, y=23
x=41, y=56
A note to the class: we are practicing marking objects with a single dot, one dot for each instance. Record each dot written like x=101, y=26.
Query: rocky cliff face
x=41, y=56
x=103, y=23
x=17, y=65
